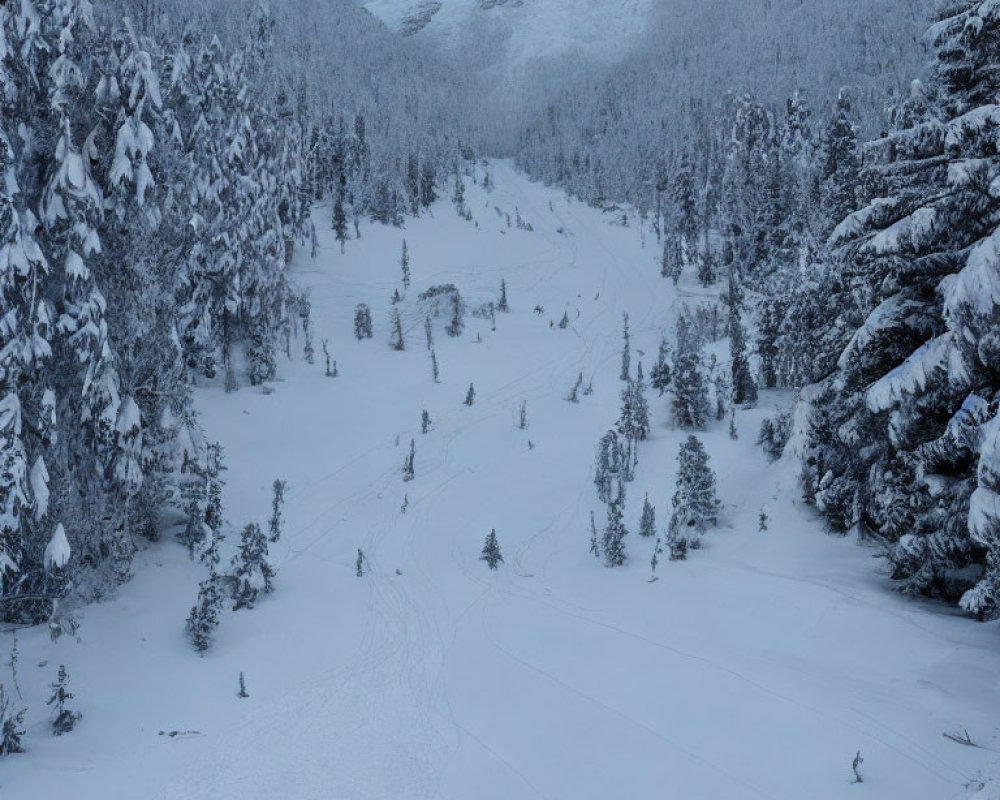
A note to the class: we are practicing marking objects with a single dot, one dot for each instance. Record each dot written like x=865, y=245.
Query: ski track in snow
x=742, y=673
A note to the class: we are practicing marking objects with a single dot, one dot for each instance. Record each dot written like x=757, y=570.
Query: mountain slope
x=529, y=29
x=756, y=669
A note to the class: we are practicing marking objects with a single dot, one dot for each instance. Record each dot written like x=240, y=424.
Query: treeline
x=156, y=180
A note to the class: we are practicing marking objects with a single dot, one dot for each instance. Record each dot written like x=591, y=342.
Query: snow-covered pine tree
x=647, y=524
x=408, y=462
x=340, y=212
x=274, y=524
x=595, y=548
x=398, y=342
x=404, y=263
x=457, y=325
x=10, y=725
x=660, y=375
x=470, y=396
x=249, y=562
x=65, y=720
x=743, y=386
x=428, y=333
x=502, y=305
x=610, y=465
x=626, y=369
x=917, y=380
x=362, y=322
x=672, y=260
x=695, y=505
x=839, y=165
x=690, y=390
x=613, y=539
x=204, y=616
x=491, y=551
x=706, y=268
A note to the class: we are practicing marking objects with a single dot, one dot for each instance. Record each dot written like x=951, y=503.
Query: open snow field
x=756, y=669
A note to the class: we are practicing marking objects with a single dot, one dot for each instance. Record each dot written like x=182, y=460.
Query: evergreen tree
x=362, y=322
x=10, y=726
x=408, y=469
x=744, y=388
x=397, y=331
x=706, y=268
x=340, y=213
x=626, y=352
x=425, y=421
x=660, y=375
x=895, y=444
x=249, y=562
x=429, y=333
x=839, y=165
x=491, y=551
x=613, y=540
x=594, y=546
x=457, y=325
x=65, y=720
x=404, y=263
x=204, y=616
x=279, y=488
x=690, y=401
x=694, y=502
x=434, y=367
x=647, y=525
x=428, y=194
x=610, y=466
x=502, y=305
x=470, y=396
x=573, y=396
x=672, y=261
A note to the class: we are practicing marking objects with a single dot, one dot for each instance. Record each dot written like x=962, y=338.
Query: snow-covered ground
x=756, y=669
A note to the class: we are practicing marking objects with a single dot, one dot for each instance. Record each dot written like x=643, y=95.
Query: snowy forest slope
x=430, y=675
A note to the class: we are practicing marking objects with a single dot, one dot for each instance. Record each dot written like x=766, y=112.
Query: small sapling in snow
x=856, y=766
x=491, y=551
x=408, y=472
x=65, y=720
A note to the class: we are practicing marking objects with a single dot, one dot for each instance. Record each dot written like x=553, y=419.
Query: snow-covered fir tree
x=274, y=524
x=647, y=524
x=695, y=505
x=250, y=568
x=626, y=369
x=491, y=551
x=362, y=322
x=660, y=375
x=613, y=538
x=404, y=263
x=916, y=381
x=398, y=343
x=690, y=389
x=65, y=719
